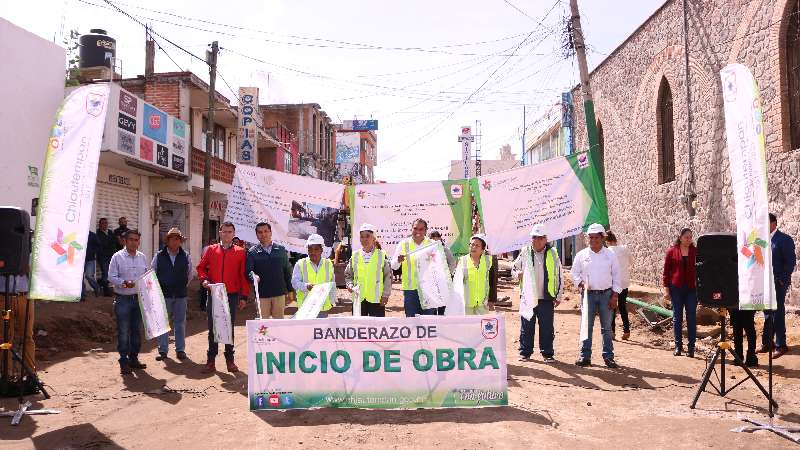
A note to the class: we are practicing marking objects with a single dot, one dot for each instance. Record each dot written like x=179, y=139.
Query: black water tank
x=97, y=49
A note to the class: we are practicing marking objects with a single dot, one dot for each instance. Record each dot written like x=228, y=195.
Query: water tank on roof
x=97, y=49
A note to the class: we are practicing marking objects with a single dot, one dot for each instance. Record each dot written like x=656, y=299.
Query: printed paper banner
x=393, y=207
x=435, y=287
x=67, y=193
x=152, y=305
x=564, y=194
x=350, y=362
x=744, y=129
x=296, y=207
x=221, y=313
x=528, y=298
x=315, y=299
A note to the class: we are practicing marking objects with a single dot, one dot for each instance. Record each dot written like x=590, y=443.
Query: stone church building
x=663, y=145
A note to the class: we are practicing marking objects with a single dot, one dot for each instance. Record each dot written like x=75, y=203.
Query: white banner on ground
x=314, y=301
x=563, y=194
x=435, y=287
x=528, y=298
x=392, y=208
x=296, y=207
x=220, y=313
x=744, y=129
x=152, y=305
x=392, y=362
x=67, y=193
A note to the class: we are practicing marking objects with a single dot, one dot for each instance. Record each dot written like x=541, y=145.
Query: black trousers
x=372, y=309
x=744, y=322
x=622, y=307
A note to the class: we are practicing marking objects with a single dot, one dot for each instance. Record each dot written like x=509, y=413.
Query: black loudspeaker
x=15, y=240
x=717, y=271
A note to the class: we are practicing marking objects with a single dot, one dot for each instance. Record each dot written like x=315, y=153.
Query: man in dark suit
x=784, y=261
x=107, y=246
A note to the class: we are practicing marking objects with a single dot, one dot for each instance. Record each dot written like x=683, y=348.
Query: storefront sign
x=248, y=125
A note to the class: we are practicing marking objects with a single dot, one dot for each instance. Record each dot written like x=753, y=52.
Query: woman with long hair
x=681, y=290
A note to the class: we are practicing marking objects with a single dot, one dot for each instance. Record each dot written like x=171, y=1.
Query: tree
x=72, y=43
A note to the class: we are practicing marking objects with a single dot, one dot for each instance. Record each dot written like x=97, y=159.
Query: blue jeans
x=413, y=307
x=104, y=261
x=684, y=298
x=129, y=327
x=543, y=312
x=213, y=347
x=176, y=308
x=779, y=315
x=89, y=269
x=598, y=304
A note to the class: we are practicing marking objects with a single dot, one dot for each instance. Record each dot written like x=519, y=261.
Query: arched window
x=792, y=67
x=666, y=134
x=601, y=150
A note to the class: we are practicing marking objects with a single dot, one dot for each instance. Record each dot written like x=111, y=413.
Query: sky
x=421, y=68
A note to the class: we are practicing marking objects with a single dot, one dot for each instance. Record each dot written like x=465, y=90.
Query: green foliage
x=72, y=44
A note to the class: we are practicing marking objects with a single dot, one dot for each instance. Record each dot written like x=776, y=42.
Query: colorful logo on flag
x=487, y=184
x=489, y=328
x=65, y=247
x=752, y=249
x=456, y=191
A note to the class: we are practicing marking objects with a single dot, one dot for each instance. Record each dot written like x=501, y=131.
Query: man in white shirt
x=368, y=269
x=404, y=257
x=126, y=266
x=596, y=270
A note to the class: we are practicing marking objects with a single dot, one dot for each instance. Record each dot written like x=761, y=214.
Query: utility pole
x=524, y=129
x=477, y=148
x=588, y=103
x=211, y=59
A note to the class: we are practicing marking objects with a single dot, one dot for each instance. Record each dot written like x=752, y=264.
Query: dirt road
x=642, y=405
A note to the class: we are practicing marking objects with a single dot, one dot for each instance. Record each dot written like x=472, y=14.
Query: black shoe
x=751, y=361
x=548, y=359
x=182, y=356
x=690, y=353
x=161, y=356
x=125, y=369
x=677, y=352
x=135, y=364
x=610, y=363
x=583, y=362
x=524, y=358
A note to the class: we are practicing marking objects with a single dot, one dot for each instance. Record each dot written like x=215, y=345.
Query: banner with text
x=296, y=207
x=392, y=208
x=67, y=193
x=435, y=286
x=744, y=129
x=152, y=305
x=564, y=194
x=220, y=313
x=348, y=362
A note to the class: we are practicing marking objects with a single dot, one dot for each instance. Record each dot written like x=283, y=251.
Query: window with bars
x=666, y=134
x=792, y=67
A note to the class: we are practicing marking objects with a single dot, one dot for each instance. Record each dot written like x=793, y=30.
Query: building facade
x=309, y=130
x=663, y=145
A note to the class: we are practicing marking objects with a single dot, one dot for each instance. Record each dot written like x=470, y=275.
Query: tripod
x=6, y=347
x=722, y=346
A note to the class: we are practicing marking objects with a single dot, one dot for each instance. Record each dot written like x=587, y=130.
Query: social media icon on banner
x=287, y=400
x=260, y=401
x=274, y=401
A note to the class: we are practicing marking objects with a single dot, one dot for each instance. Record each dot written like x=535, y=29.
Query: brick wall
x=164, y=95
x=220, y=170
x=645, y=214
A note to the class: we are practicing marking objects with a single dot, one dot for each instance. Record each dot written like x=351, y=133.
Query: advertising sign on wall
x=248, y=125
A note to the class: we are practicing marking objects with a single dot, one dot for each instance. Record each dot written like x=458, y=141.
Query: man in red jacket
x=224, y=263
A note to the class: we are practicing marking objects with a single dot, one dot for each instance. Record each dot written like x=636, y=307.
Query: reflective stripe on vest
x=409, y=279
x=472, y=277
x=315, y=277
x=367, y=274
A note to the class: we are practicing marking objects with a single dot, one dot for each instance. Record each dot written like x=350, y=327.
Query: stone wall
x=644, y=213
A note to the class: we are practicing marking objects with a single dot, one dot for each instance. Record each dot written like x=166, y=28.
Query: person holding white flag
x=600, y=267
x=539, y=262
x=173, y=268
x=473, y=270
x=403, y=258
x=368, y=275
x=311, y=271
x=125, y=267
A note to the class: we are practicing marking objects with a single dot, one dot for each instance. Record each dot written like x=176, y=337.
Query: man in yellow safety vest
x=311, y=271
x=403, y=257
x=368, y=270
x=541, y=261
x=475, y=267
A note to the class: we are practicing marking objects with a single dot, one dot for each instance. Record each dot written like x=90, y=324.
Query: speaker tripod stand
x=6, y=347
x=722, y=390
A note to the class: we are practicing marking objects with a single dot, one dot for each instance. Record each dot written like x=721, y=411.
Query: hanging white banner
x=315, y=299
x=296, y=207
x=457, y=304
x=528, y=298
x=220, y=313
x=67, y=193
x=744, y=130
x=152, y=305
x=435, y=287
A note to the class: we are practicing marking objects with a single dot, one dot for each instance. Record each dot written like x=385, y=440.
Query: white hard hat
x=482, y=237
x=315, y=239
x=537, y=230
x=596, y=228
x=366, y=227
